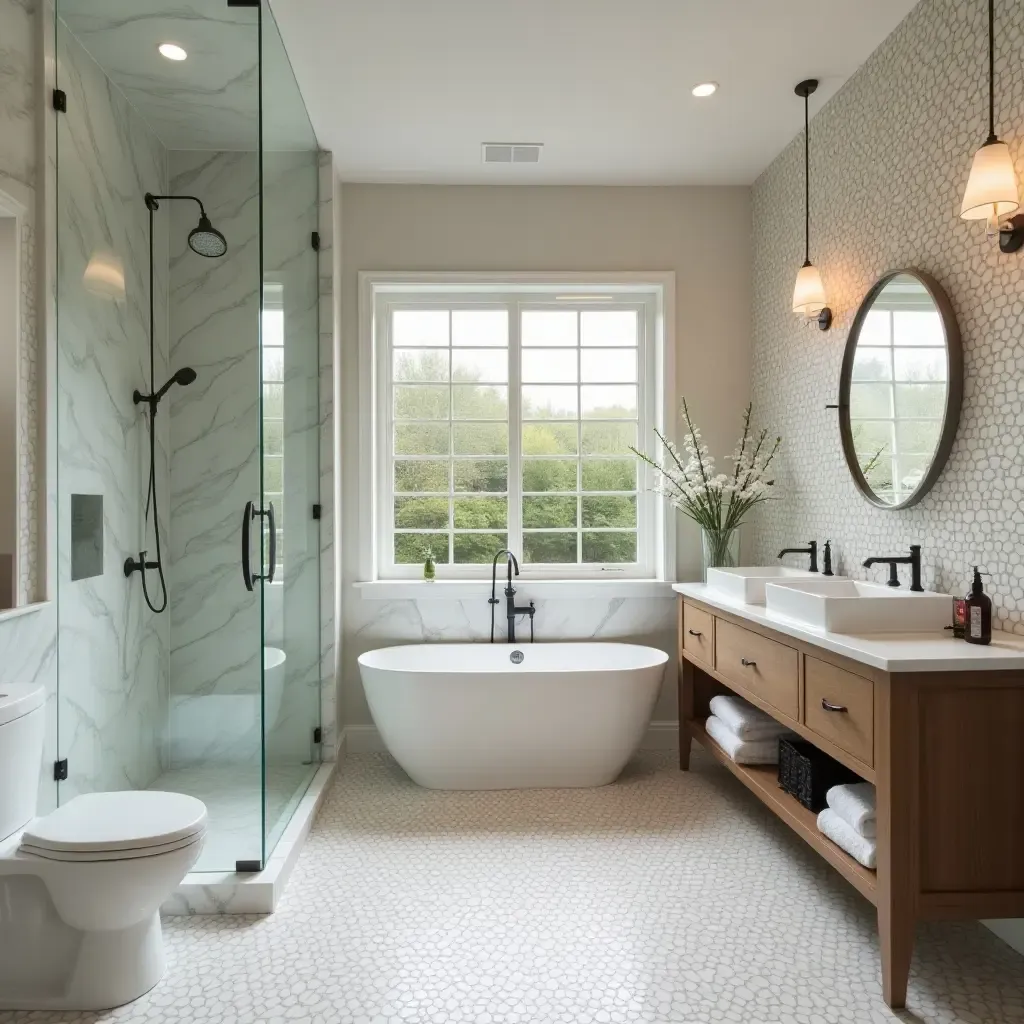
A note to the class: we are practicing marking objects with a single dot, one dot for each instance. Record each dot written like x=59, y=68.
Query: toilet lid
x=18, y=699
x=129, y=820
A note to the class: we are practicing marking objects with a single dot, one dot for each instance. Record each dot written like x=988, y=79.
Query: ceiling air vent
x=511, y=152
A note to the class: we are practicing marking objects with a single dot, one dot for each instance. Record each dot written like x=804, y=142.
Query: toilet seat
x=117, y=826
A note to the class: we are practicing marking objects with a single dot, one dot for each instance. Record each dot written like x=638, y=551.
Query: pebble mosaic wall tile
x=890, y=156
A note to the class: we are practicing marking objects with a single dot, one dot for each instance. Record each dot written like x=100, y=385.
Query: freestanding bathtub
x=497, y=716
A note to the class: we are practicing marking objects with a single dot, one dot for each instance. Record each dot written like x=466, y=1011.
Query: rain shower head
x=206, y=240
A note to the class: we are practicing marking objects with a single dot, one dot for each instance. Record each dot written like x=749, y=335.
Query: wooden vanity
x=939, y=730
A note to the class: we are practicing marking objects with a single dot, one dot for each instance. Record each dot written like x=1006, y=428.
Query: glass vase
x=720, y=548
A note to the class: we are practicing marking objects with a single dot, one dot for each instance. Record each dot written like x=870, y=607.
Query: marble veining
x=113, y=653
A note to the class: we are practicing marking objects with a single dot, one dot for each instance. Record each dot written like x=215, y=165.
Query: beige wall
x=702, y=234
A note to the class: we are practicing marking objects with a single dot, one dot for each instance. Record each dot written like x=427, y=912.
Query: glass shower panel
x=161, y=670
x=290, y=389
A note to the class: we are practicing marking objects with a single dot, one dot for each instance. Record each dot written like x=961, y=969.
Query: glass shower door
x=290, y=435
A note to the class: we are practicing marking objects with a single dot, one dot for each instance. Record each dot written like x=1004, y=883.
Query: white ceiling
x=407, y=90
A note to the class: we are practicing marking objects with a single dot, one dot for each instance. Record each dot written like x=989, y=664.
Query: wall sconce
x=991, y=194
x=809, y=294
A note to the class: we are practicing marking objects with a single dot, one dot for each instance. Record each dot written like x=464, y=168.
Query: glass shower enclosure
x=188, y=419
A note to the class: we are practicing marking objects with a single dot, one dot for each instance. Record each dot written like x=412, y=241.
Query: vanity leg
x=686, y=713
x=896, y=937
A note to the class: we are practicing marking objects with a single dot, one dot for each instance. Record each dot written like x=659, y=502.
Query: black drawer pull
x=826, y=706
x=694, y=632
x=747, y=664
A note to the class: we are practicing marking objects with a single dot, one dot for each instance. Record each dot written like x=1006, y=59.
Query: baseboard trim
x=365, y=739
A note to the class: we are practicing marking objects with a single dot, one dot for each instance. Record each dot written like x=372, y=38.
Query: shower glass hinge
x=247, y=867
x=60, y=770
x=314, y=240
x=318, y=735
x=60, y=100
x=318, y=510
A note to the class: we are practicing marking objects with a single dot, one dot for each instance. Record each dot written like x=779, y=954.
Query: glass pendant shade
x=992, y=187
x=809, y=293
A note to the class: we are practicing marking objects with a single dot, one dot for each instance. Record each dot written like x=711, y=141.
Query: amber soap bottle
x=979, y=613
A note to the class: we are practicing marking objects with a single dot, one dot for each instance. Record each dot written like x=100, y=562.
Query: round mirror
x=900, y=389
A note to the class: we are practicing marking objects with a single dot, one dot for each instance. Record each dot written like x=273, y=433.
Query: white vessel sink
x=747, y=584
x=850, y=606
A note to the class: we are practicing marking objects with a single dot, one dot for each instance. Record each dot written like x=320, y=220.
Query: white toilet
x=81, y=888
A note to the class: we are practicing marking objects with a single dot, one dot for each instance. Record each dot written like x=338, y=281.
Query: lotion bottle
x=979, y=613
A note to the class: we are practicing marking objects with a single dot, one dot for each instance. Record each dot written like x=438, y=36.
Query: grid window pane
x=422, y=439
x=550, y=366
x=481, y=513
x=421, y=513
x=480, y=438
x=411, y=548
x=421, y=402
x=475, y=402
x=480, y=327
x=419, y=327
x=553, y=511
x=481, y=475
x=489, y=365
x=608, y=365
x=549, y=475
x=478, y=548
x=609, y=474
x=550, y=439
x=609, y=512
x=410, y=364
x=421, y=475
x=550, y=403
x=603, y=402
x=549, y=327
x=549, y=548
x=609, y=327
x=609, y=547
x=608, y=438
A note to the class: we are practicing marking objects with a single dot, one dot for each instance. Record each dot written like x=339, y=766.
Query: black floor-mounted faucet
x=511, y=611
x=811, y=549
x=913, y=560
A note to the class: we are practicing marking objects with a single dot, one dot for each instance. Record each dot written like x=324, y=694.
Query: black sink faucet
x=511, y=611
x=913, y=560
x=811, y=549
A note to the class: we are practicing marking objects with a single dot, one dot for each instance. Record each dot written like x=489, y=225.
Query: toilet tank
x=22, y=721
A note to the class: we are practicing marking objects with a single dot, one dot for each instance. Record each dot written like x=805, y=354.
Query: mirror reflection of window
x=899, y=389
x=273, y=340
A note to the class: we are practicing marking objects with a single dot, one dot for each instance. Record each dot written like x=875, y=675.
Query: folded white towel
x=855, y=804
x=740, y=750
x=746, y=721
x=860, y=848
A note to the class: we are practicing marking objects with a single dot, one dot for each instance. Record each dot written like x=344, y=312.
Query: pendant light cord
x=991, y=72
x=807, y=179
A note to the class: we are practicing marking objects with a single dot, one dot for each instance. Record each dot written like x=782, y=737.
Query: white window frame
x=652, y=294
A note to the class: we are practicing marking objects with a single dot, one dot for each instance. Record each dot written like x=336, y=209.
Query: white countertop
x=891, y=652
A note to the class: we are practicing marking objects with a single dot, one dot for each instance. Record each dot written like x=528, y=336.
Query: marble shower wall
x=890, y=156
x=215, y=628
x=113, y=652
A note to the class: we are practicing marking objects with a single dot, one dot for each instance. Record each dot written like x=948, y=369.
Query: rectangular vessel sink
x=850, y=606
x=746, y=584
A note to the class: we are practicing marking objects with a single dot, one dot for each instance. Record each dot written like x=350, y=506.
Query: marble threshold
x=891, y=652
x=229, y=892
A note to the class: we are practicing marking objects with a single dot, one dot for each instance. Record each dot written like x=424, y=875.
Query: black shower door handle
x=247, y=517
x=272, y=523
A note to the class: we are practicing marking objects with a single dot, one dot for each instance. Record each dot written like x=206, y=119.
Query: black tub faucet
x=811, y=549
x=913, y=560
x=511, y=611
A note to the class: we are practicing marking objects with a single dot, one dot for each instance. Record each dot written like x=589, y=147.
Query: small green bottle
x=428, y=565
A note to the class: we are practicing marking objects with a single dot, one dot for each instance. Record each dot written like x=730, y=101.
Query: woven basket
x=807, y=774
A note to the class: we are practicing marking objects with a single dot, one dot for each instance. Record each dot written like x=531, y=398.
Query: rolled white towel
x=746, y=721
x=860, y=848
x=740, y=750
x=855, y=804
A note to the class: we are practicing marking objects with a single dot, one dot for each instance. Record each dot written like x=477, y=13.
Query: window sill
x=457, y=590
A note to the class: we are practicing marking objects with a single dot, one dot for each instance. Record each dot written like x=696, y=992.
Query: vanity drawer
x=770, y=671
x=840, y=706
x=698, y=629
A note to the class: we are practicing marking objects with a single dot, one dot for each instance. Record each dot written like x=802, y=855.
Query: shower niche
x=187, y=384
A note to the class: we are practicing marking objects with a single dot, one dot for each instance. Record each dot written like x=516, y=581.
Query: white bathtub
x=465, y=716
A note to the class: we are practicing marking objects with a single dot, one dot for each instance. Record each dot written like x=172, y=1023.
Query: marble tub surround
x=113, y=654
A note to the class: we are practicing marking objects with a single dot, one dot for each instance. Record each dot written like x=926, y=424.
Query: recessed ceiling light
x=705, y=89
x=172, y=51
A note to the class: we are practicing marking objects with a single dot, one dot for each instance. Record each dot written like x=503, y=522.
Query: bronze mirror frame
x=954, y=392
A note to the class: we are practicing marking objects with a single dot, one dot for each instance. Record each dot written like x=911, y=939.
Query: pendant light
x=991, y=192
x=809, y=293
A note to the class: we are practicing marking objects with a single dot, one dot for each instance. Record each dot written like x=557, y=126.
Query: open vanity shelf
x=944, y=748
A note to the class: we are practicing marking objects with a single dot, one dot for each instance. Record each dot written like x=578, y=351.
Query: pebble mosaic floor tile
x=663, y=898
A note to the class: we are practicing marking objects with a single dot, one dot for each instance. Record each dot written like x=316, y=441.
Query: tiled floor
x=666, y=897
x=233, y=798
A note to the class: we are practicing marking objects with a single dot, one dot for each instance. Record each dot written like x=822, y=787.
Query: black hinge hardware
x=318, y=735
x=243, y=3
x=248, y=867
x=318, y=510
x=60, y=770
x=314, y=240
x=60, y=100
